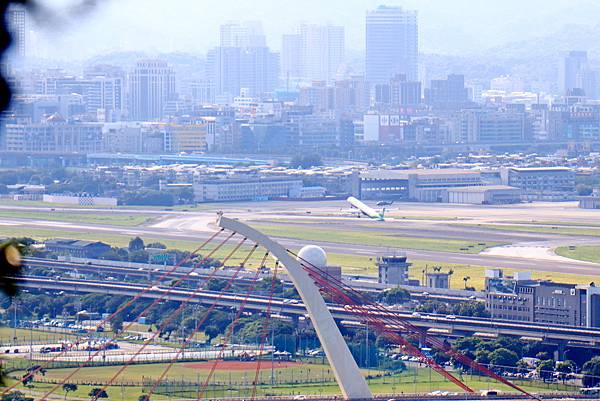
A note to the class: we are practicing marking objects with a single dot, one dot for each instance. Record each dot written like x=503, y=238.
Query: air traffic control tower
x=393, y=269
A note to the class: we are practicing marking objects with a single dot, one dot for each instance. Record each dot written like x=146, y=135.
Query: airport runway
x=486, y=260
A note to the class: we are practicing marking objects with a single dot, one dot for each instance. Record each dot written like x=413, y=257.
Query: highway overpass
x=129, y=270
x=445, y=326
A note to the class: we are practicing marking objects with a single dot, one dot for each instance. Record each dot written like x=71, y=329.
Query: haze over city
x=300, y=200
x=446, y=27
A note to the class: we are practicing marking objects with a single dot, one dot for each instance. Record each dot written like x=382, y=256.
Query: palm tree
x=450, y=273
x=68, y=387
x=465, y=279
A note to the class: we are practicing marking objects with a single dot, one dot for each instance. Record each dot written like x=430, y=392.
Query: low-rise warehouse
x=422, y=185
x=541, y=183
x=485, y=195
x=229, y=190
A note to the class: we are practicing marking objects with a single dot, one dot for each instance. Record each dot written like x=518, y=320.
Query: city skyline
x=271, y=200
x=462, y=27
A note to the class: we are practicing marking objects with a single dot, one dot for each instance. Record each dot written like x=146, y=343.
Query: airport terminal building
x=541, y=183
x=431, y=185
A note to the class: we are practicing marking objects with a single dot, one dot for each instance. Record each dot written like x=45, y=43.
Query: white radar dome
x=314, y=255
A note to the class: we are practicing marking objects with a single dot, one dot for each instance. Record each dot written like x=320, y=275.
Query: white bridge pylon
x=346, y=371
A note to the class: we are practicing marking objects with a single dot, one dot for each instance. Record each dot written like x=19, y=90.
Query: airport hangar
x=431, y=185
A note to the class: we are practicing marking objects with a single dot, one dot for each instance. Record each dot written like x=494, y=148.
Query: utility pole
x=30, y=341
x=15, y=323
x=367, y=348
x=272, y=354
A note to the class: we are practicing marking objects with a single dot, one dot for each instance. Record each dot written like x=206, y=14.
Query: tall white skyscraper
x=242, y=61
x=105, y=93
x=392, y=44
x=242, y=34
x=291, y=56
x=322, y=50
x=573, y=71
x=151, y=85
x=314, y=53
x=16, y=19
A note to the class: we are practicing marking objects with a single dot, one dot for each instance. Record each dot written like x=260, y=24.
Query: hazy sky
x=446, y=26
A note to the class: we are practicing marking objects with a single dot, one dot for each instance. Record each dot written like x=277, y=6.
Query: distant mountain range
x=536, y=60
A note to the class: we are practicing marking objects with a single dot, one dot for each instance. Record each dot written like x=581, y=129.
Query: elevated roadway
x=449, y=326
x=244, y=277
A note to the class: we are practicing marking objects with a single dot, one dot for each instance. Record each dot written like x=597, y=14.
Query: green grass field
x=420, y=380
x=477, y=274
x=374, y=238
x=587, y=253
x=120, y=219
x=24, y=336
x=399, y=216
x=351, y=264
x=554, y=223
x=10, y=202
x=538, y=229
x=187, y=372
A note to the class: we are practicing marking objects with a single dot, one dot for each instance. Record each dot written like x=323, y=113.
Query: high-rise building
x=259, y=71
x=318, y=95
x=105, y=95
x=392, y=44
x=291, y=56
x=151, y=85
x=17, y=25
x=241, y=61
x=487, y=126
x=351, y=95
x=447, y=93
x=229, y=69
x=242, y=34
x=314, y=53
x=322, y=50
x=521, y=298
x=572, y=68
x=53, y=135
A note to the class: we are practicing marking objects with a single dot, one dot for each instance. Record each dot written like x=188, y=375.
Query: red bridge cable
x=200, y=323
x=231, y=329
x=437, y=343
x=323, y=279
x=265, y=332
x=173, y=315
x=342, y=298
x=120, y=309
x=432, y=340
x=411, y=349
x=143, y=312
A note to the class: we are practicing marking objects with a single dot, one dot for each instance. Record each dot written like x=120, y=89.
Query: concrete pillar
x=559, y=353
x=346, y=371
